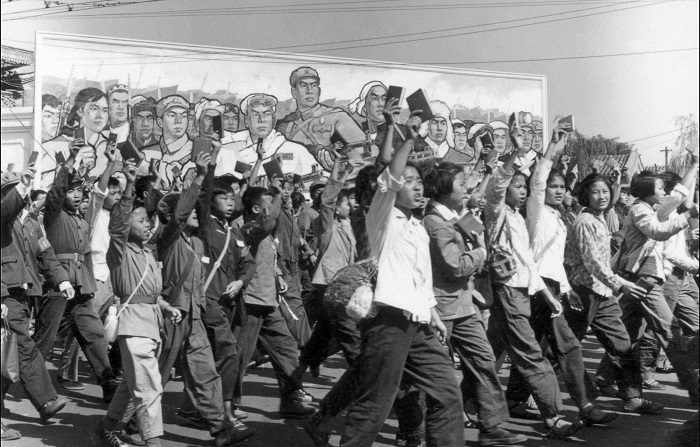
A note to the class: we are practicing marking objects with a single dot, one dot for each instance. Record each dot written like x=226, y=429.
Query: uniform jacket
x=69, y=234
x=39, y=256
x=453, y=265
x=14, y=270
x=175, y=252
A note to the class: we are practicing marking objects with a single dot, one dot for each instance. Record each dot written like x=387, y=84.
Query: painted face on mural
x=528, y=135
x=374, y=103
x=118, y=108
x=307, y=93
x=437, y=129
x=230, y=121
x=460, y=138
x=174, y=123
x=49, y=122
x=143, y=126
x=260, y=120
x=94, y=115
x=500, y=140
x=206, y=126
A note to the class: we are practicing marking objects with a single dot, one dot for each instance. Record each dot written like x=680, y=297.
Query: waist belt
x=144, y=299
x=70, y=257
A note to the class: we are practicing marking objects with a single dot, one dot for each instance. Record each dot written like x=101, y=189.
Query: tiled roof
x=16, y=56
x=632, y=161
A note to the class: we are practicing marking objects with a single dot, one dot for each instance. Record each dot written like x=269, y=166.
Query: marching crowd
x=403, y=271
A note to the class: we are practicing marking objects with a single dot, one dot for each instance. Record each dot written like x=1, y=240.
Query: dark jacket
x=176, y=252
x=69, y=235
x=39, y=256
x=453, y=264
x=14, y=270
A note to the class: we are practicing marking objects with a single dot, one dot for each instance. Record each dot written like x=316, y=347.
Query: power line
x=593, y=56
x=657, y=135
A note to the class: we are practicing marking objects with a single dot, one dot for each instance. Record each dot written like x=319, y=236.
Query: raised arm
x=390, y=112
x=13, y=203
x=120, y=219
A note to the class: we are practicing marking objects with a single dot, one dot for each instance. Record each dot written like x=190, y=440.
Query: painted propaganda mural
x=159, y=101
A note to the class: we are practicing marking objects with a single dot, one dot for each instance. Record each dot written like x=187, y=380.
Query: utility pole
x=665, y=150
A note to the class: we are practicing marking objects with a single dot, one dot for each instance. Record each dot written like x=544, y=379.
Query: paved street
x=75, y=424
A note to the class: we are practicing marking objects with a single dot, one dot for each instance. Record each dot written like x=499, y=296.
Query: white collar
x=444, y=211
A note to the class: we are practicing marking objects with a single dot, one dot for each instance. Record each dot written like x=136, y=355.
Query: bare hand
x=631, y=289
x=281, y=285
x=575, y=302
x=75, y=145
x=478, y=239
x=130, y=171
x=27, y=176
x=414, y=123
x=233, y=288
x=203, y=160
x=111, y=153
x=516, y=136
x=437, y=324
x=391, y=110
x=173, y=314
x=69, y=293
x=4, y=311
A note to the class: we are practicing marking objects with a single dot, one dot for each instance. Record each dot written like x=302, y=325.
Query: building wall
x=17, y=140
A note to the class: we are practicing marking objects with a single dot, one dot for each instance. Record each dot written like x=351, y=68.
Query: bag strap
x=217, y=264
x=143, y=277
x=500, y=231
x=186, y=273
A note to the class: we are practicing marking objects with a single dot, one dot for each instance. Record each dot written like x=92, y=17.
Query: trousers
x=565, y=347
x=396, y=350
x=141, y=390
x=266, y=325
x=188, y=341
x=217, y=321
x=510, y=331
x=32, y=369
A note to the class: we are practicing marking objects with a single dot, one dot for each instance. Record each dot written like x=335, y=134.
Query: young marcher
x=594, y=287
x=455, y=261
x=229, y=269
x=336, y=249
x=509, y=326
x=548, y=234
x=137, y=281
x=16, y=281
x=184, y=274
x=263, y=322
x=69, y=235
x=642, y=261
x=401, y=340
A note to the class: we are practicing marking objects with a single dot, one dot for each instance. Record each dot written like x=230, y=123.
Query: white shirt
x=515, y=237
x=99, y=237
x=401, y=246
x=547, y=229
x=440, y=149
x=121, y=131
x=676, y=253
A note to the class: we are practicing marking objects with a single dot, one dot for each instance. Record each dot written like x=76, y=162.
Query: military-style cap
x=171, y=102
x=262, y=98
x=9, y=178
x=303, y=72
x=495, y=125
x=205, y=104
x=117, y=88
x=525, y=119
x=145, y=105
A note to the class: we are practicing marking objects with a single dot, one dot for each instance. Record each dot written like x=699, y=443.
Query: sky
x=634, y=97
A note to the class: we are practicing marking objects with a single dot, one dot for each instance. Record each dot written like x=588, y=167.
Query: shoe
x=606, y=388
x=652, y=384
x=259, y=361
x=110, y=438
x=531, y=404
x=312, y=427
x=500, y=436
x=301, y=396
x=70, y=385
x=239, y=414
x=293, y=408
x=315, y=371
x=108, y=389
x=642, y=406
x=52, y=407
x=561, y=429
x=192, y=419
x=592, y=415
x=233, y=432
x=408, y=440
x=518, y=410
x=131, y=434
x=9, y=434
